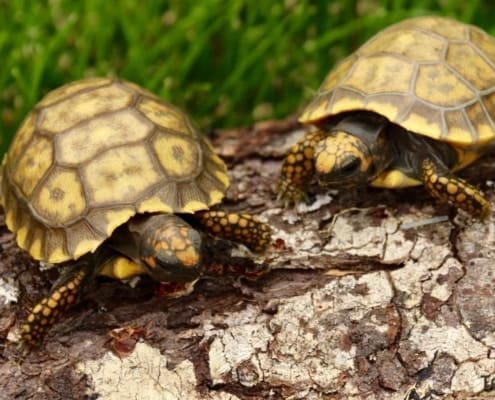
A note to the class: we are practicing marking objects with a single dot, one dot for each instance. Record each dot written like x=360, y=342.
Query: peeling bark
x=362, y=298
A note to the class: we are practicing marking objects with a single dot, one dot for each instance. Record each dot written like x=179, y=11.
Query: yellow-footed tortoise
x=411, y=106
x=105, y=178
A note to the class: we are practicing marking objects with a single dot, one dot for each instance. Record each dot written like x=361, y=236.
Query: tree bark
x=365, y=294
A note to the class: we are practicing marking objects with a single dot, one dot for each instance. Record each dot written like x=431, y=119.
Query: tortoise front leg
x=242, y=228
x=298, y=169
x=446, y=187
x=64, y=294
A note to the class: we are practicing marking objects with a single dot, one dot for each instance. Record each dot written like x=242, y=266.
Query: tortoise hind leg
x=446, y=187
x=64, y=294
x=242, y=228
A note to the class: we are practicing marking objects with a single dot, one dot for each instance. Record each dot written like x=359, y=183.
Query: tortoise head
x=353, y=153
x=343, y=160
x=170, y=249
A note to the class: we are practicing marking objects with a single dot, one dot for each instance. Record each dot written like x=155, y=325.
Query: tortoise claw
x=290, y=196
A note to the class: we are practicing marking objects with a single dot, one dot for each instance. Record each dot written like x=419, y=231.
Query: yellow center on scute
x=89, y=139
x=61, y=198
x=483, y=41
x=458, y=129
x=481, y=123
x=33, y=164
x=120, y=173
x=165, y=115
x=381, y=74
x=437, y=85
x=35, y=248
x=71, y=88
x=153, y=204
x=409, y=44
x=83, y=106
x=477, y=71
x=178, y=156
x=116, y=218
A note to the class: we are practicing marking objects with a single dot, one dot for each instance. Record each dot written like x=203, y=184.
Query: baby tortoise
x=412, y=106
x=104, y=178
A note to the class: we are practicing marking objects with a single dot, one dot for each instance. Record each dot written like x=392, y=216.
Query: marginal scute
x=168, y=194
x=37, y=239
x=105, y=221
x=391, y=106
x=10, y=204
x=216, y=196
x=425, y=120
x=345, y=99
x=459, y=131
x=213, y=179
x=83, y=240
x=221, y=179
x=55, y=250
x=316, y=110
x=153, y=204
x=482, y=123
x=192, y=198
x=21, y=236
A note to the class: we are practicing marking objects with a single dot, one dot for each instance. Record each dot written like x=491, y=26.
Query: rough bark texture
x=357, y=303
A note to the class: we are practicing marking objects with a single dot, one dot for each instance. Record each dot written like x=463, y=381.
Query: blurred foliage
x=227, y=63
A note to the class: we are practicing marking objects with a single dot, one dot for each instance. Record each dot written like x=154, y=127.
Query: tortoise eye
x=350, y=166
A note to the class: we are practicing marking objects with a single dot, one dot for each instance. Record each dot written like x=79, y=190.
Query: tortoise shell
x=94, y=153
x=433, y=76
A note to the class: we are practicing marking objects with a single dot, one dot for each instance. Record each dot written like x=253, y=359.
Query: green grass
x=228, y=63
